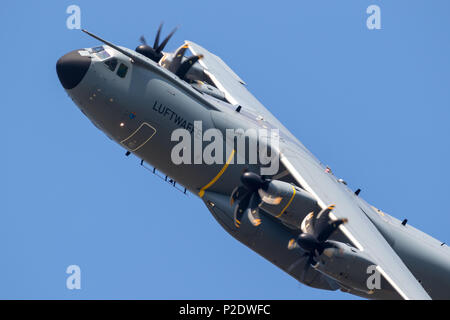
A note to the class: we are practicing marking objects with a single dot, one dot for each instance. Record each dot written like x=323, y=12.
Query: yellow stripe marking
x=202, y=190
x=288, y=204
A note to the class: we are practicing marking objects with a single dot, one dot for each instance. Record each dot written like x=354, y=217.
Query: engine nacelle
x=347, y=265
x=287, y=202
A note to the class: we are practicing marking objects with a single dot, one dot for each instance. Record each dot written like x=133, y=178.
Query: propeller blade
x=253, y=209
x=328, y=230
x=323, y=226
x=158, y=34
x=237, y=194
x=163, y=44
x=306, y=266
x=311, y=261
x=307, y=223
x=305, y=270
x=142, y=40
x=176, y=61
x=154, y=53
x=186, y=65
x=248, y=192
x=321, y=220
x=240, y=208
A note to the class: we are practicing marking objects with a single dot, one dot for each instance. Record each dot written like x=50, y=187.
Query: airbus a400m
x=300, y=217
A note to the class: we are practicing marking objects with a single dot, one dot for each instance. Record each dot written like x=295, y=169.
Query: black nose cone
x=71, y=69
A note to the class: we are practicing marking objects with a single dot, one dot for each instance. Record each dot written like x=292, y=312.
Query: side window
x=111, y=64
x=122, y=71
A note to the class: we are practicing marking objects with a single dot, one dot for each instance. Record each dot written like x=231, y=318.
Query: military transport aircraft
x=301, y=217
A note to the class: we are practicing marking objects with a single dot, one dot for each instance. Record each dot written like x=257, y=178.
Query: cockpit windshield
x=97, y=49
x=100, y=52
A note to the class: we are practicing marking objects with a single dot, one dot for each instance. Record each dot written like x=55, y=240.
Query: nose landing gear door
x=139, y=137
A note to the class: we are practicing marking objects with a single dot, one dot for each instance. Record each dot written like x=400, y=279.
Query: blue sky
x=378, y=109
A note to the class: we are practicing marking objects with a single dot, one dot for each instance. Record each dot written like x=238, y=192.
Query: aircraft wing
x=226, y=80
x=311, y=175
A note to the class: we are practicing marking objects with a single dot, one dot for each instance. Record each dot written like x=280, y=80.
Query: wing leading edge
x=310, y=174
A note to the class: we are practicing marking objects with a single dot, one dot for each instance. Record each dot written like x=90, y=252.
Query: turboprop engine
x=347, y=265
x=280, y=199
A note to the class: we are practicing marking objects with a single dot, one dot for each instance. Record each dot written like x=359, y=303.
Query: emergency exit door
x=140, y=137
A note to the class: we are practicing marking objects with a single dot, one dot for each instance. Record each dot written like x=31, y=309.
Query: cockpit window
x=97, y=49
x=101, y=53
x=111, y=64
x=122, y=71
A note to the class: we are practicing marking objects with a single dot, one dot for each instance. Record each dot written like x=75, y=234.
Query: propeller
x=177, y=65
x=155, y=52
x=177, y=58
x=186, y=65
x=247, y=198
x=314, y=236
